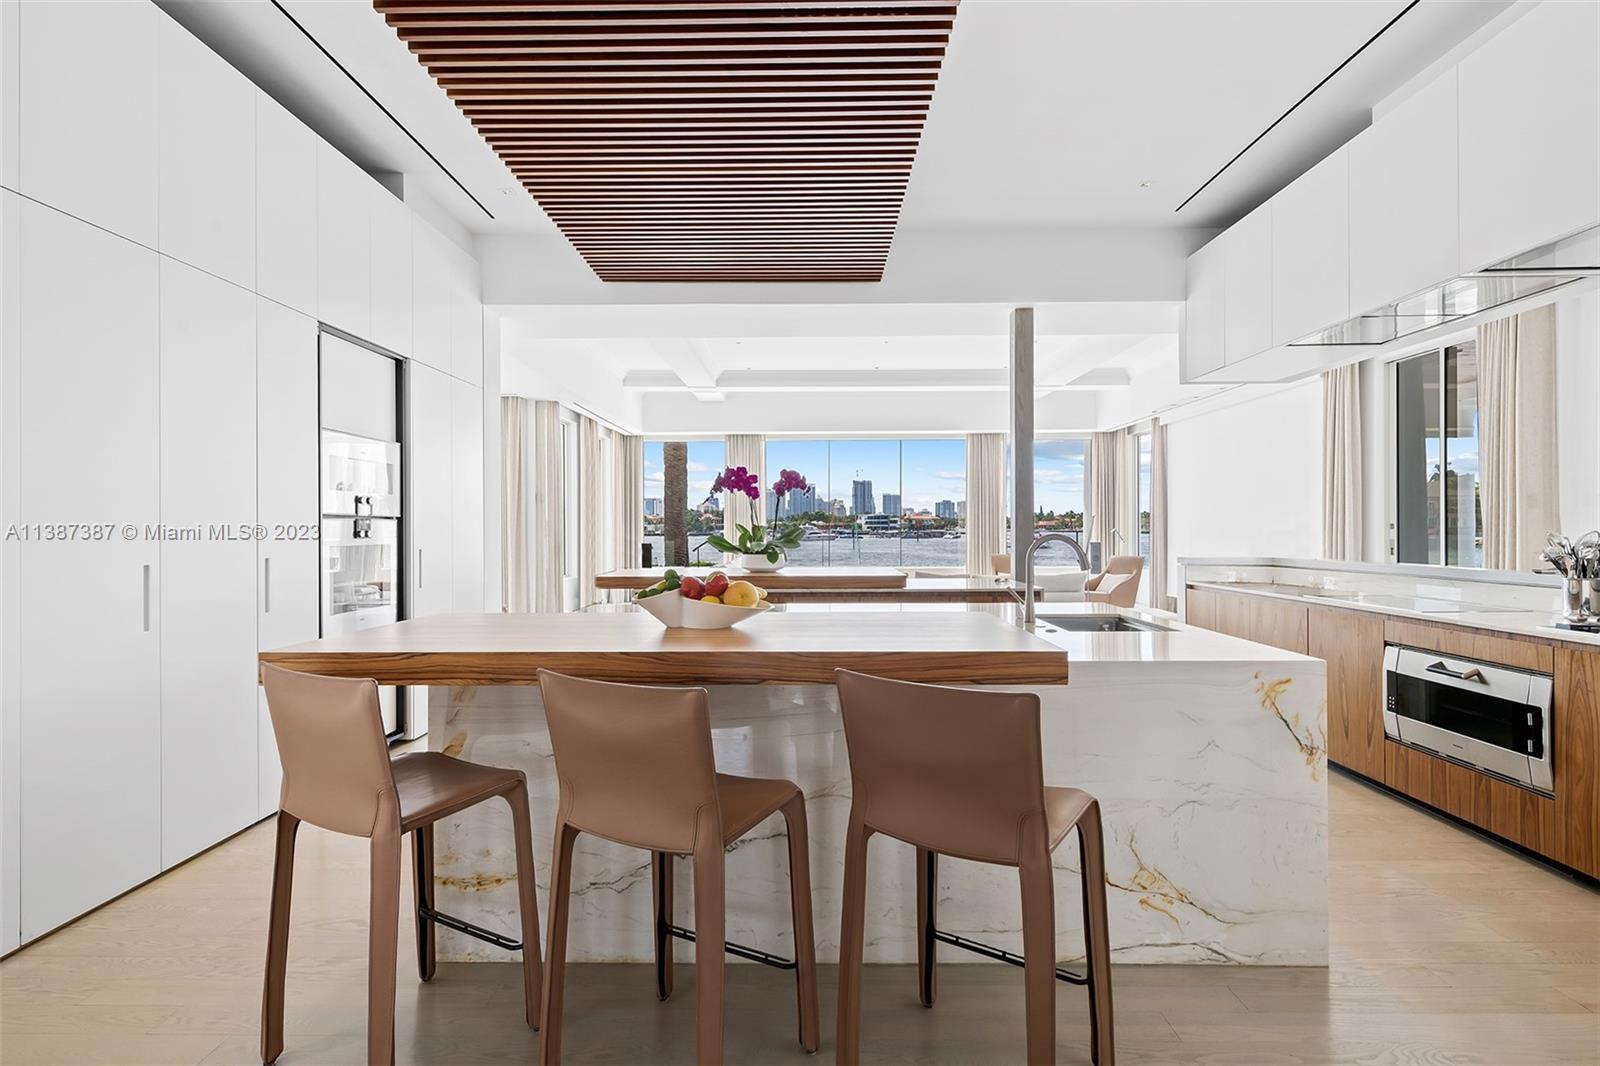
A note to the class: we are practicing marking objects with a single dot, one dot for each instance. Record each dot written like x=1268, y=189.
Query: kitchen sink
x=1099, y=623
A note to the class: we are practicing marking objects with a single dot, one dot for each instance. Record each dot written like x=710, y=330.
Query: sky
x=922, y=472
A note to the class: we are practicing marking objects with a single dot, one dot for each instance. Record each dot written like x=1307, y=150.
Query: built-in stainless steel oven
x=1494, y=719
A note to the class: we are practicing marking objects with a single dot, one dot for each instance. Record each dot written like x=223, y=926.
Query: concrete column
x=1020, y=467
x=675, y=503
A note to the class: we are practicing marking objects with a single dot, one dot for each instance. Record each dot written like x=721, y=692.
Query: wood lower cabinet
x=1351, y=643
x=1565, y=828
x=1577, y=744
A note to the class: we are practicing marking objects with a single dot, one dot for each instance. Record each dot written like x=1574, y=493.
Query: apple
x=692, y=587
x=717, y=584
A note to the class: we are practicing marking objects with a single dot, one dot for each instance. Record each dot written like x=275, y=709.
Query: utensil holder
x=1572, y=598
x=1591, y=597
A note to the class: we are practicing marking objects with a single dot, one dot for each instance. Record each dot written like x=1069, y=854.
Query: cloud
x=950, y=475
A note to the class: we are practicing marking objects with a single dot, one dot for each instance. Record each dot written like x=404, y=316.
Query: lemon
x=710, y=599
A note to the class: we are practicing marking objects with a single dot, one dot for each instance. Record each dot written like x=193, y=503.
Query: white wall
x=1244, y=478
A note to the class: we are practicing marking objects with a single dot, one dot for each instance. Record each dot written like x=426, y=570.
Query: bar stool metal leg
x=927, y=922
x=422, y=886
x=278, y=939
x=1097, y=936
x=805, y=940
x=661, y=890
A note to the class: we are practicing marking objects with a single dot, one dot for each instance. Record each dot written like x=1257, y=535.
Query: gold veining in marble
x=1313, y=747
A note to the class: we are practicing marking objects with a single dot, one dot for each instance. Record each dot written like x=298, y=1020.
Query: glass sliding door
x=1438, y=504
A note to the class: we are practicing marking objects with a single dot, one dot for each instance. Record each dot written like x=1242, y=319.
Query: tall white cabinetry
x=1530, y=133
x=178, y=238
x=88, y=119
x=207, y=183
x=287, y=444
x=430, y=460
x=1404, y=208
x=208, y=560
x=90, y=684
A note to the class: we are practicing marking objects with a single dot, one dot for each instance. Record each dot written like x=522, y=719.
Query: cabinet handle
x=146, y=608
x=419, y=568
x=266, y=585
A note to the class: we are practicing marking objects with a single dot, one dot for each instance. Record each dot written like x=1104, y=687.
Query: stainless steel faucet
x=1027, y=569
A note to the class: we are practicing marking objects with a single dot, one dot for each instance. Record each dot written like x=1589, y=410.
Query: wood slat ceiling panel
x=701, y=140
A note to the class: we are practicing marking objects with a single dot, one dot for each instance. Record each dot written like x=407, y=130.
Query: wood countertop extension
x=790, y=577
x=777, y=648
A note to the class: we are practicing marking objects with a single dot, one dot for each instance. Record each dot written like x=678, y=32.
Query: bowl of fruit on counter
x=713, y=602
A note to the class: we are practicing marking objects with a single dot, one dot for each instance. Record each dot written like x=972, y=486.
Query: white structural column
x=1021, y=464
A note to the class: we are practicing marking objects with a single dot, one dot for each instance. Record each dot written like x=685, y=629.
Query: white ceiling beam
x=991, y=380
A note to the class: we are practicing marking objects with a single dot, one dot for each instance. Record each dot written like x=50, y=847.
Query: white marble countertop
x=1435, y=609
x=1178, y=643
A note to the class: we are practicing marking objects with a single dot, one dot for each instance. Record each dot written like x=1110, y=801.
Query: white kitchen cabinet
x=391, y=271
x=1404, y=218
x=1311, y=250
x=208, y=579
x=1203, y=309
x=286, y=207
x=207, y=160
x=1247, y=290
x=430, y=297
x=430, y=458
x=1530, y=133
x=344, y=243
x=466, y=504
x=90, y=684
x=88, y=118
x=10, y=97
x=287, y=438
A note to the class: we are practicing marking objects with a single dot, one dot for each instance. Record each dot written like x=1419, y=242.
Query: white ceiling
x=1051, y=117
x=1048, y=112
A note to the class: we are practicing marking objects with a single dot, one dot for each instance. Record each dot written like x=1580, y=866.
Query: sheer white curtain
x=545, y=468
x=1111, y=492
x=1341, y=463
x=515, y=429
x=627, y=501
x=1157, y=577
x=1517, y=435
x=592, y=479
x=748, y=450
x=986, y=500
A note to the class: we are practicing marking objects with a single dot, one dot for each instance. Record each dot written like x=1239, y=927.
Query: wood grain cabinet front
x=1351, y=643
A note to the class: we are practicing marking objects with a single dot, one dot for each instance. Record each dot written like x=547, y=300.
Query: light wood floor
x=1446, y=949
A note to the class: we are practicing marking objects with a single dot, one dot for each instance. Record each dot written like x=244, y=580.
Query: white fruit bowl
x=679, y=612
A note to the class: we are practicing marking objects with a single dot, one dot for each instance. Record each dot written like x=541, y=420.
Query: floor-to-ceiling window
x=1142, y=452
x=1438, y=505
x=1059, y=466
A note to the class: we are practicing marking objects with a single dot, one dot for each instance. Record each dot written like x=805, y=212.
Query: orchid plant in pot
x=759, y=547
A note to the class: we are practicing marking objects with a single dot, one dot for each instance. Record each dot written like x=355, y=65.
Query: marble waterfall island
x=1206, y=752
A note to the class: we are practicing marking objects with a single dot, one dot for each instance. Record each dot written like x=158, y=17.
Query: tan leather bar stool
x=960, y=773
x=337, y=774
x=636, y=768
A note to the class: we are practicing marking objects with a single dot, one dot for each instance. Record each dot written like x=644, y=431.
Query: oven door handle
x=1473, y=674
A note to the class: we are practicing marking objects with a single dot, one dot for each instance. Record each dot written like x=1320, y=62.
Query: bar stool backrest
x=954, y=770
x=634, y=761
x=330, y=740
